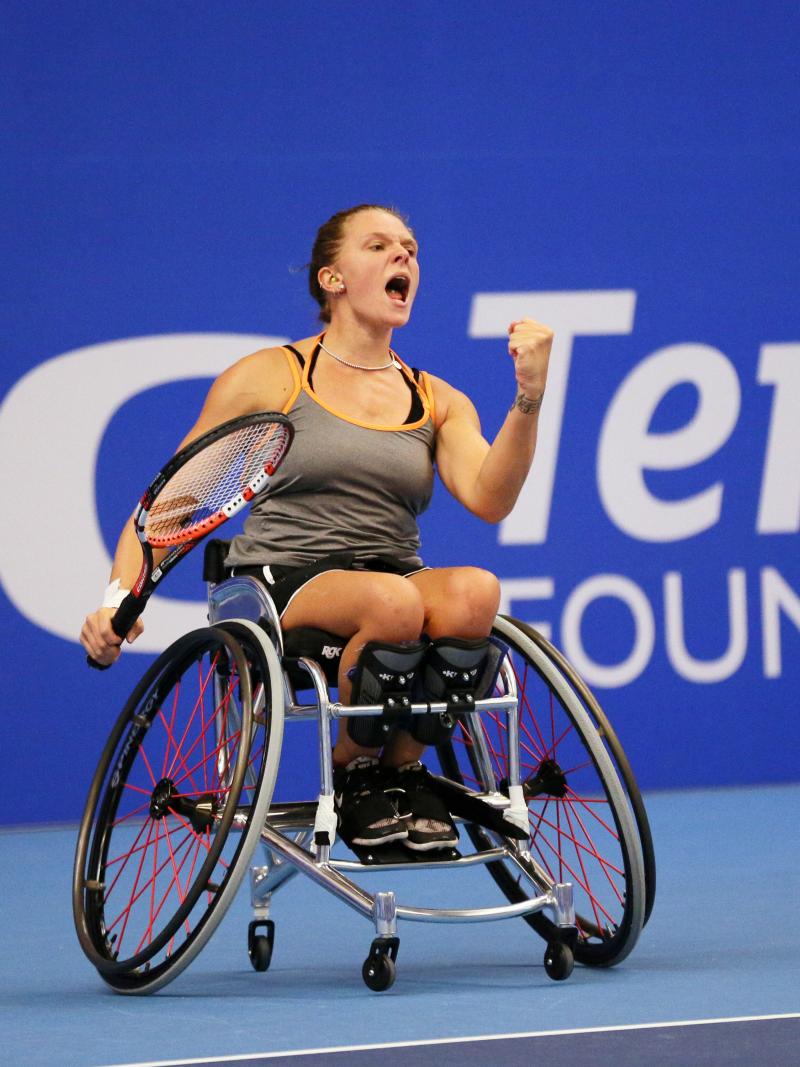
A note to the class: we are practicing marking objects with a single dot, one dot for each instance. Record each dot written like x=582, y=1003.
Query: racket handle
x=126, y=615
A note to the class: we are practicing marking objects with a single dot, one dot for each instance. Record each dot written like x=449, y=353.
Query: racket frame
x=149, y=576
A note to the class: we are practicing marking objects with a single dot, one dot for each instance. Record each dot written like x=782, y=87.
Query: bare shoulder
x=451, y=404
x=260, y=381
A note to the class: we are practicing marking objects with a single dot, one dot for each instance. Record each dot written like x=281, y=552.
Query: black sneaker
x=430, y=825
x=367, y=815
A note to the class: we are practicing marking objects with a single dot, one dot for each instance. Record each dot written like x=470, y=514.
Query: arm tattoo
x=526, y=405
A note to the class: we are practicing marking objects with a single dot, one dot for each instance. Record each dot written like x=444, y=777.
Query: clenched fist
x=99, y=639
x=529, y=342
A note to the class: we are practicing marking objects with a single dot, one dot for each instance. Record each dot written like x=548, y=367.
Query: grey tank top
x=344, y=486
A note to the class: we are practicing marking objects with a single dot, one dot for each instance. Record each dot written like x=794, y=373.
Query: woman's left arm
x=485, y=478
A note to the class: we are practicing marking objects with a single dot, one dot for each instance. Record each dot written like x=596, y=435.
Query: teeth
x=397, y=286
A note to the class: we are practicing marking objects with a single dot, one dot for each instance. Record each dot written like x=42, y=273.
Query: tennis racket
x=202, y=486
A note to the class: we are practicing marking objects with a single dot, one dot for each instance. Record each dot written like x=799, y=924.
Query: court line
x=457, y=1040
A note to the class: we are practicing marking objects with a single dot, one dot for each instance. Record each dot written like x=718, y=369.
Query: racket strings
x=215, y=479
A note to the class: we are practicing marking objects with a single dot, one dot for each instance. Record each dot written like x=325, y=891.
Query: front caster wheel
x=379, y=972
x=558, y=961
x=379, y=968
x=259, y=946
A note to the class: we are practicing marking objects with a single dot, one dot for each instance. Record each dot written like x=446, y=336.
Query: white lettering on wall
x=777, y=597
x=518, y=589
x=51, y=426
x=627, y=447
x=570, y=315
x=779, y=506
x=715, y=670
x=623, y=589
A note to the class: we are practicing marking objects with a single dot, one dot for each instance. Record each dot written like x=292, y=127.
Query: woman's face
x=377, y=264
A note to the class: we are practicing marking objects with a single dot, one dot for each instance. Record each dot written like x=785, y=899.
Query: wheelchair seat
x=303, y=641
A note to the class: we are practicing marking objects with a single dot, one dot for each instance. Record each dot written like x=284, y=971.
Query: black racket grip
x=126, y=615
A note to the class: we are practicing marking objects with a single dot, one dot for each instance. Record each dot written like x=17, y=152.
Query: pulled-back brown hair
x=326, y=248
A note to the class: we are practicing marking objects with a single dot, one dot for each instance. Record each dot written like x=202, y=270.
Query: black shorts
x=284, y=583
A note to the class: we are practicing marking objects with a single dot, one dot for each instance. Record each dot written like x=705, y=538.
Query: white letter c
x=54, y=562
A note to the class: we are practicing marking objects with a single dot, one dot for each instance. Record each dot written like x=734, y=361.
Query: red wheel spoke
x=126, y=856
x=203, y=731
x=132, y=813
x=579, y=856
x=130, y=788
x=127, y=911
x=606, y=866
x=123, y=857
x=587, y=846
x=226, y=740
x=149, y=883
x=147, y=935
x=141, y=752
x=590, y=806
x=575, y=877
x=232, y=741
x=526, y=706
x=204, y=683
x=171, y=727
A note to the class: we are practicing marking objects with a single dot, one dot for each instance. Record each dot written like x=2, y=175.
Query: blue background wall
x=166, y=167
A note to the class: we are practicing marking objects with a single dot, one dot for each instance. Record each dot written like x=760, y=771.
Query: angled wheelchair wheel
x=582, y=829
x=177, y=805
x=616, y=751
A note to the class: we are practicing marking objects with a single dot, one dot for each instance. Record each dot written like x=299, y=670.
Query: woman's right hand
x=99, y=639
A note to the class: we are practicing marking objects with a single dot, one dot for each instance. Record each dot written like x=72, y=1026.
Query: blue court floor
x=723, y=943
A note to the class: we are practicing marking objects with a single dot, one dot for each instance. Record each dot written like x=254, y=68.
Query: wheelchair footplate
x=396, y=854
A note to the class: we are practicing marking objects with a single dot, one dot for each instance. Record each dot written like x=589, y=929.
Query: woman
x=368, y=433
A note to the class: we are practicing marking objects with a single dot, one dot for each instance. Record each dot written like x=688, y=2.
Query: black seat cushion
x=320, y=645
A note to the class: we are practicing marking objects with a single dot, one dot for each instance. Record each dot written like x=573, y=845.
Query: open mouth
x=397, y=288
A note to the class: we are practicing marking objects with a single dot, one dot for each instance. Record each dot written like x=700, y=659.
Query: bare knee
x=467, y=606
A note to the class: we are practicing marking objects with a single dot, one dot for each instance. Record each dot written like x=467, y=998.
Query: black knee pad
x=385, y=674
x=461, y=671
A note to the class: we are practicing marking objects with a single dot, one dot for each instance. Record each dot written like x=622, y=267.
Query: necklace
x=360, y=366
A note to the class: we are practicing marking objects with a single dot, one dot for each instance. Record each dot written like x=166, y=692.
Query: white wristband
x=114, y=594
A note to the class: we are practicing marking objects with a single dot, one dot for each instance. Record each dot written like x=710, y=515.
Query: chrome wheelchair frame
x=182, y=797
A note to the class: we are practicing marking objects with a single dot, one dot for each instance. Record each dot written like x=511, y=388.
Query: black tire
x=176, y=807
x=260, y=953
x=581, y=825
x=379, y=972
x=612, y=743
x=260, y=945
x=558, y=961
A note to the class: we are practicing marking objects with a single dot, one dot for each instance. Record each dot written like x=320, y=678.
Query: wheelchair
x=181, y=804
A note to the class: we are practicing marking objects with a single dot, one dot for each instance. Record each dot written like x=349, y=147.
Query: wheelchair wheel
x=612, y=743
x=582, y=829
x=176, y=806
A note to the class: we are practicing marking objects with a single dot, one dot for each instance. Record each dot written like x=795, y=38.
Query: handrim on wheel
x=612, y=743
x=176, y=805
x=581, y=825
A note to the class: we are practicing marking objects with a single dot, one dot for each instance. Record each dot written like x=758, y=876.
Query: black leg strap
x=385, y=674
x=460, y=672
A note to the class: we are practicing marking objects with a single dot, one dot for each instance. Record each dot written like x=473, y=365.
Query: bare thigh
x=440, y=601
x=346, y=603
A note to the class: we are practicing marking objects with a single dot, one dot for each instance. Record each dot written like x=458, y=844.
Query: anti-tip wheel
x=378, y=972
x=259, y=946
x=558, y=961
